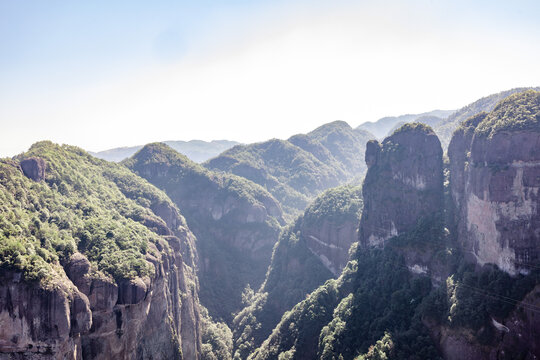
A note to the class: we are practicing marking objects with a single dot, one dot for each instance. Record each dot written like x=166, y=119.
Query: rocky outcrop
x=90, y=316
x=41, y=322
x=403, y=185
x=236, y=223
x=330, y=226
x=331, y=243
x=495, y=183
x=34, y=168
x=57, y=301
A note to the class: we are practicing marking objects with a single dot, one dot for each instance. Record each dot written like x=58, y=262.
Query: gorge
x=328, y=245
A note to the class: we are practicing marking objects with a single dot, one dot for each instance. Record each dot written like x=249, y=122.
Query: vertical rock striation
x=403, y=185
x=495, y=179
x=58, y=299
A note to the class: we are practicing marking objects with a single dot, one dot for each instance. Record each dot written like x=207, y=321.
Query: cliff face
x=495, y=179
x=330, y=226
x=39, y=322
x=92, y=317
x=236, y=223
x=403, y=185
x=95, y=262
x=142, y=318
x=309, y=252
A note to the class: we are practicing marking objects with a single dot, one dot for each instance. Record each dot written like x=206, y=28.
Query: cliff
x=96, y=263
x=312, y=250
x=236, y=223
x=495, y=178
x=403, y=184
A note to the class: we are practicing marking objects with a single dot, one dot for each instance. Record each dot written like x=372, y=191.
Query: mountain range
x=197, y=150
x=340, y=243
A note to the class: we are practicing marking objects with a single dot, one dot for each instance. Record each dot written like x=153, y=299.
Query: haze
x=100, y=75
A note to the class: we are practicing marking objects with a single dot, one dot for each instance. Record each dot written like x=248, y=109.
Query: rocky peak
x=403, y=185
x=495, y=180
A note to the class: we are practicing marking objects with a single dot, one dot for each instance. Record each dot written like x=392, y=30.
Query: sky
x=104, y=74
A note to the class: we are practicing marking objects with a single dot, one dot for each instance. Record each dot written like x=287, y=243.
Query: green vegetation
x=297, y=170
x=446, y=128
x=415, y=126
x=382, y=350
x=470, y=299
x=377, y=308
x=236, y=222
x=216, y=339
x=336, y=205
x=83, y=204
x=294, y=271
x=342, y=319
x=516, y=112
x=386, y=125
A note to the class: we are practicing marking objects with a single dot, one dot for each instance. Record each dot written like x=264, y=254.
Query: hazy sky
x=102, y=74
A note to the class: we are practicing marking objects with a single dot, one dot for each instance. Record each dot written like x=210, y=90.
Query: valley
x=414, y=237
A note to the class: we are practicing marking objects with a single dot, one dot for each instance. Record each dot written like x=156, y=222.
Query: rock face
x=403, y=185
x=38, y=322
x=312, y=250
x=93, y=317
x=495, y=179
x=331, y=243
x=330, y=226
x=236, y=223
x=59, y=301
x=34, y=168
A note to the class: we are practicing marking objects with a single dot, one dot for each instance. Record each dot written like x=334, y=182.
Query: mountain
x=236, y=222
x=298, y=169
x=404, y=183
x=415, y=290
x=385, y=126
x=430, y=258
x=94, y=261
x=197, y=150
x=495, y=168
x=445, y=128
x=312, y=250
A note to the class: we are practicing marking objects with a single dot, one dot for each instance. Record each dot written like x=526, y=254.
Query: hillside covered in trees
x=397, y=253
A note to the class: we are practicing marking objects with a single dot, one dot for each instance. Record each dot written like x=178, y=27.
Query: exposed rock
x=495, y=183
x=403, y=185
x=331, y=243
x=41, y=321
x=236, y=223
x=34, y=168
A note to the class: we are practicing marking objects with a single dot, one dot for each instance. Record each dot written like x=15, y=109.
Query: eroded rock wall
x=403, y=185
x=86, y=315
x=495, y=183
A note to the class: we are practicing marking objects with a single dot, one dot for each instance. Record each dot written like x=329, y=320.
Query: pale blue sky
x=101, y=74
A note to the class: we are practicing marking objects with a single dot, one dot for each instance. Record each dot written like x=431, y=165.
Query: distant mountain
x=445, y=129
x=298, y=169
x=197, y=150
x=384, y=126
